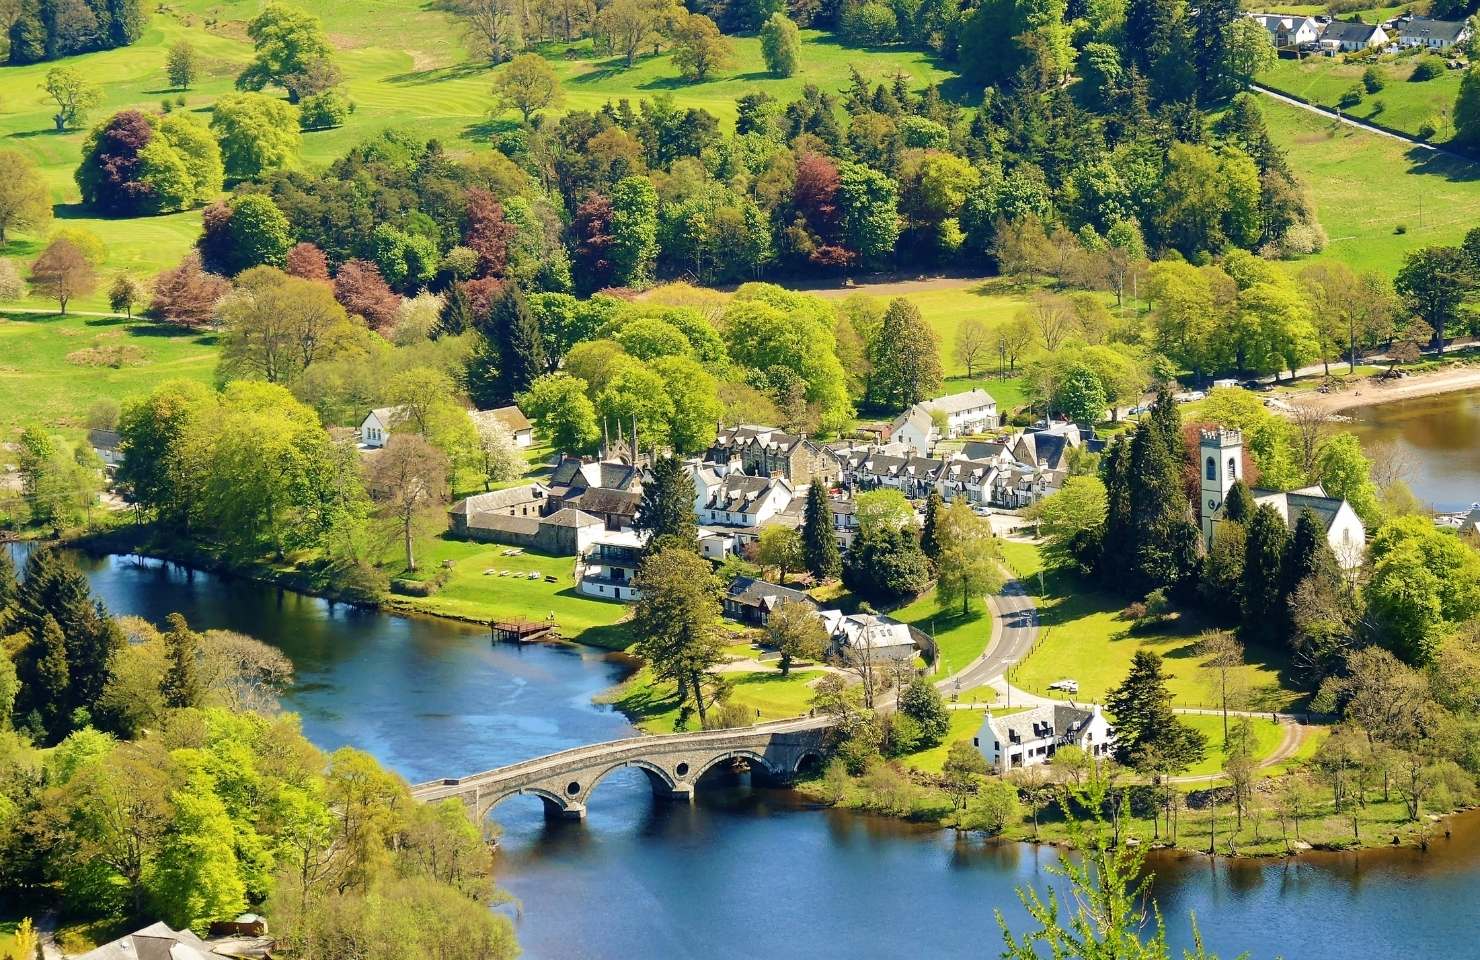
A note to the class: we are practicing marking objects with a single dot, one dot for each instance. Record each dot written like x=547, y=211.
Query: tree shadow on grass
x=489, y=128
x=457, y=71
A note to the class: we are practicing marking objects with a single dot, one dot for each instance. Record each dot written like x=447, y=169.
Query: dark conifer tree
x=666, y=511
x=819, y=544
x=181, y=685
x=934, y=505
x=1238, y=505
x=1264, y=560
x=515, y=332
x=1161, y=537
x=48, y=682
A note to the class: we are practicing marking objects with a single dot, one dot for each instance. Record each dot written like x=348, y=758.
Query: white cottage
x=973, y=411
x=1033, y=736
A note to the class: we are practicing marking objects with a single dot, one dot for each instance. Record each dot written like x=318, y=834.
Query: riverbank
x=1276, y=825
x=1375, y=390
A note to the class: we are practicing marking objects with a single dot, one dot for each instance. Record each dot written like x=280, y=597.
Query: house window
x=1232, y=467
x=976, y=741
x=1212, y=469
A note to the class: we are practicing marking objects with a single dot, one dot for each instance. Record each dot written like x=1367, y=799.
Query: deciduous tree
x=797, y=633
x=409, y=479
x=63, y=272
x=25, y=201
x=527, y=84
x=676, y=620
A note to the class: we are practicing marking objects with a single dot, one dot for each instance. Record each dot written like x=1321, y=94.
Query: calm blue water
x=741, y=873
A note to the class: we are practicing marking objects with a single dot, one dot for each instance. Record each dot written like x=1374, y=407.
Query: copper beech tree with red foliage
x=306, y=261
x=360, y=289
x=487, y=233
x=188, y=294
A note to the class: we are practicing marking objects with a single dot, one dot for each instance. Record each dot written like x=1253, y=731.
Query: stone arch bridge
x=673, y=764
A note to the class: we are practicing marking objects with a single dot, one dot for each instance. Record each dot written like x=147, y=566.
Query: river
x=1437, y=440
x=750, y=873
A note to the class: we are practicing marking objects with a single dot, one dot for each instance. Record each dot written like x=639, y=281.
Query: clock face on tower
x=1212, y=504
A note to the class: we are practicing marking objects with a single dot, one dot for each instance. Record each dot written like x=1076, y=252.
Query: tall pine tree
x=510, y=353
x=929, y=535
x=1263, y=597
x=181, y=685
x=48, y=681
x=666, y=511
x=819, y=545
x=1163, y=542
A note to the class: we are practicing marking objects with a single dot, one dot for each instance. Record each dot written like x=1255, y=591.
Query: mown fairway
x=405, y=65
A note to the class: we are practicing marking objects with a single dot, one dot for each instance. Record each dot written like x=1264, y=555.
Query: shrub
x=1400, y=229
x=1429, y=129
x=324, y=111
x=1427, y=68
x=1372, y=79
x=1350, y=97
x=870, y=24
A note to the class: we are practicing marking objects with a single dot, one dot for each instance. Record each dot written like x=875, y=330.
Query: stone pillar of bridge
x=573, y=811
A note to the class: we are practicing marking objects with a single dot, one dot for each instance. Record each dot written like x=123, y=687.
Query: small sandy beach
x=1372, y=390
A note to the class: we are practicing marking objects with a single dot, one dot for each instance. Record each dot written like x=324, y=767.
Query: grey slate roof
x=754, y=592
x=155, y=942
x=1344, y=31
x=1055, y=720
x=1424, y=28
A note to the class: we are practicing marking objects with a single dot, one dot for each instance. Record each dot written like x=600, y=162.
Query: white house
x=884, y=637
x=1287, y=30
x=914, y=428
x=1433, y=34
x=1221, y=455
x=1343, y=36
x=970, y=412
x=375, y=429
x=1032, y=737
x=108, y=445
x=608, y=563
x=512, y=419
x=742, y=501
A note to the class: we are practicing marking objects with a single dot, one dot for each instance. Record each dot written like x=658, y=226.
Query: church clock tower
x=1221, y=455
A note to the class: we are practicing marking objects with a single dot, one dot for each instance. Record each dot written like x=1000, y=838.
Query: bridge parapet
x=673, y=764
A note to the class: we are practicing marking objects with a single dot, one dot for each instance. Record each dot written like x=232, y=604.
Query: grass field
x=1084, y=638
x=1367, y=186
x=959, y=640
x=964, y=725
x=49, y=369
x=419, y=77
x=472, y=593
x=1401, y=104
x=1267, y=736
x=653, y=704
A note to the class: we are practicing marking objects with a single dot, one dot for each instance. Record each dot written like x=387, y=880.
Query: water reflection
x=1437, y=438
x=745, y=871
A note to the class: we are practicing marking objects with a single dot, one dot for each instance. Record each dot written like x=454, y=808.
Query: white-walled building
x=1432, y=34
x=1033, y=736
x=1220, y=453
x=973, y=411
x=1288, y=30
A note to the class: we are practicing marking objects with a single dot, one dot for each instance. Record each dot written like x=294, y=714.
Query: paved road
x=1016, y=629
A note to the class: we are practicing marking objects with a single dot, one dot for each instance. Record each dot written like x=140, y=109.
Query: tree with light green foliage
x=559, y=406
x=198, y=878
x=634, y=231
x=257, y=133
x=289, y=43
x=969, y=564
x=781, y=45
x=527, y=84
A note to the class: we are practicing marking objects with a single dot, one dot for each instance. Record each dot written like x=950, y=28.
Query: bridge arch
x=661, y=780
x=555, y=805
x=750, y=755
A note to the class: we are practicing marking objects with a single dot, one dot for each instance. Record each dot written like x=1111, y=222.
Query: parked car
x=1068, y=686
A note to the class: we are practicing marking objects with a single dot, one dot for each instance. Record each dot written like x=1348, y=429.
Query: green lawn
x=653, y=705
x=959, y=640
x=1401, y=104
x=1366, y=187
x=50, y=372
x=417, y=75
x=473, y=593
x=1084, y=638
x=964, y=725
x=1267, y=736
